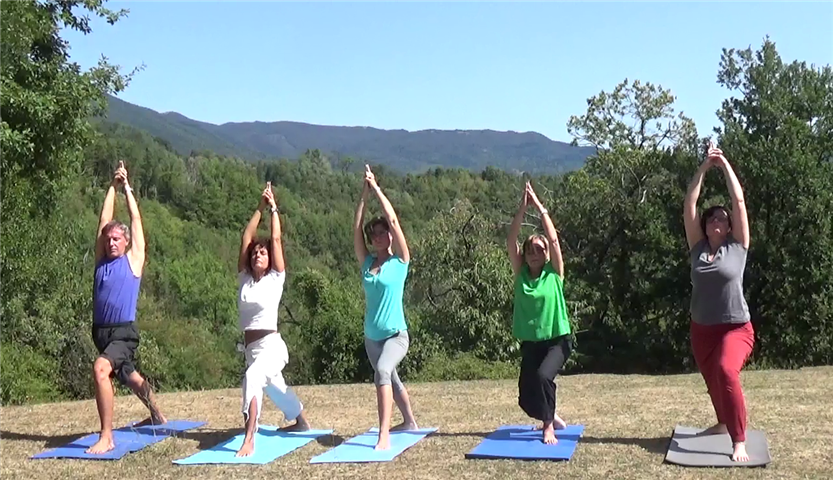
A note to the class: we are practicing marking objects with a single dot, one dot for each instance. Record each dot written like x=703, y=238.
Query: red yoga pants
x=720, y=352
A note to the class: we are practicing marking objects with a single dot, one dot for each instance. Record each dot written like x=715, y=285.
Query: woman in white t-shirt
x=261, y=277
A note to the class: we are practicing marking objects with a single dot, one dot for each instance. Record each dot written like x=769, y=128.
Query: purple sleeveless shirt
x=115, y=292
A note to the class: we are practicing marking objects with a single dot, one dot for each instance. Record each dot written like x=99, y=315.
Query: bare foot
x=103, y=445
x=157, y=419
x=558, y=423
x=298, y=426
x=384, y=442
x=247, y=449
x=740, y=455
x=549, y=435
x=717, y=429
x=403, y=427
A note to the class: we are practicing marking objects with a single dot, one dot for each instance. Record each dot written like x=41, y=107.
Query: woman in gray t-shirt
x=721, y=332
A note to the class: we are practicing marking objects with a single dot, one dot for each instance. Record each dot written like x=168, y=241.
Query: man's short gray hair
x=113, y=224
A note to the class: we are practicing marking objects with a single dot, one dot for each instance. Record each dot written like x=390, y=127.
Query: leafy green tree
x=622, y=229
x=778, y=131
x=462, y=280
x=45, y=105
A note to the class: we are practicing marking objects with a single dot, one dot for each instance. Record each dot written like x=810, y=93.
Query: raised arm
x=359, y=245
x=740, y=220
x=549, y=230
x=515, y=255
x=136, y=254
x=277, y=246
x=249, y=234
x=691, y=218
x=106, y=214
x=400, y=246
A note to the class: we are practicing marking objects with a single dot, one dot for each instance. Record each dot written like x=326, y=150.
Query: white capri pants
x=265, y=360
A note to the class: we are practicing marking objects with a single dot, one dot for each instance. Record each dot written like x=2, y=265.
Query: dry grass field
x=628, y=421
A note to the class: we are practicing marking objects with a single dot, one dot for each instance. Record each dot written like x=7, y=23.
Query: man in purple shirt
x=118, y=274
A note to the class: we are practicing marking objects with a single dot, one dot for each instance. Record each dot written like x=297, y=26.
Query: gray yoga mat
x=690, y=450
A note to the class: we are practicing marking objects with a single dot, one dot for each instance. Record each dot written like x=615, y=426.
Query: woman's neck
x=383, y=255
x=535, y=272
x=715, y=243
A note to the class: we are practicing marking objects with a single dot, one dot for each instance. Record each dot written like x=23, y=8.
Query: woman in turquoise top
x=386, y=333
x=540, y=319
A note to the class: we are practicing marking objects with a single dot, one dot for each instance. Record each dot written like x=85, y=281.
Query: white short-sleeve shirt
x=258, y=302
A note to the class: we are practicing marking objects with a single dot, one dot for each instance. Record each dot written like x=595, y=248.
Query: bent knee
x=544, y=376
x=102, y=368
x=255, y=376
x=727, y=375
x=383, y=377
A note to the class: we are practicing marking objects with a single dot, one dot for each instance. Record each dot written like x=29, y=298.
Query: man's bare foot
x=103, y=445
x=300, y=425
x=740, y=455
x=717, y=429
x=404, y=427
x=549, y=435
x=247, y=448
x=157, y=419
x=384, y=442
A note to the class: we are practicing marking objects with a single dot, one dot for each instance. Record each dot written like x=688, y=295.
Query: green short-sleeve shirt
x=540, y=311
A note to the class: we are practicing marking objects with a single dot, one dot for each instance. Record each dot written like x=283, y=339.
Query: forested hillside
x=620, y=219
x=399, y=150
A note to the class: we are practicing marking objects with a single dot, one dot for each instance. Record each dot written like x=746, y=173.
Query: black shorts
x=117, y=342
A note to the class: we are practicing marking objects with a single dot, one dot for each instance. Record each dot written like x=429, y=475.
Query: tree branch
x=291, y=317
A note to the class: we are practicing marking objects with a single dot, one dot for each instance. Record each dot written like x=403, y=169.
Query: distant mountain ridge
x=400, y=150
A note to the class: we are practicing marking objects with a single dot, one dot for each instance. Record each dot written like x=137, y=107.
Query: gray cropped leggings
x=385, y=355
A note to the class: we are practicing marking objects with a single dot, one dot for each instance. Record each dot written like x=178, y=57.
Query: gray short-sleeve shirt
x=717, y=293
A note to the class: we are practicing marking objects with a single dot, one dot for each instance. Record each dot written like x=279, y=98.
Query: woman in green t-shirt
x=540, y=318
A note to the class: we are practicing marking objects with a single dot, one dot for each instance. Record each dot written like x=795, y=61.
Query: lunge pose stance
x=386, y=333
x=118, y=274
x=261, y=279
x=721, y=332
x=540, y=319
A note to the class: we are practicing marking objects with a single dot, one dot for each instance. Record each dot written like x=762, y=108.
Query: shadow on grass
x=208, y=438
x=211, y=438
x=461, y=434
x=50, y=441
x=657, y=445
x=330, y=440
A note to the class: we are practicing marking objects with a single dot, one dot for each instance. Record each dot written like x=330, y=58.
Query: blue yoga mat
x=270, y=444
x=128, y=439
x=360, y=449
x=523, y=443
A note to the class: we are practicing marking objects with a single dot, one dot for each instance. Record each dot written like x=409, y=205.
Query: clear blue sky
x=452, y=65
